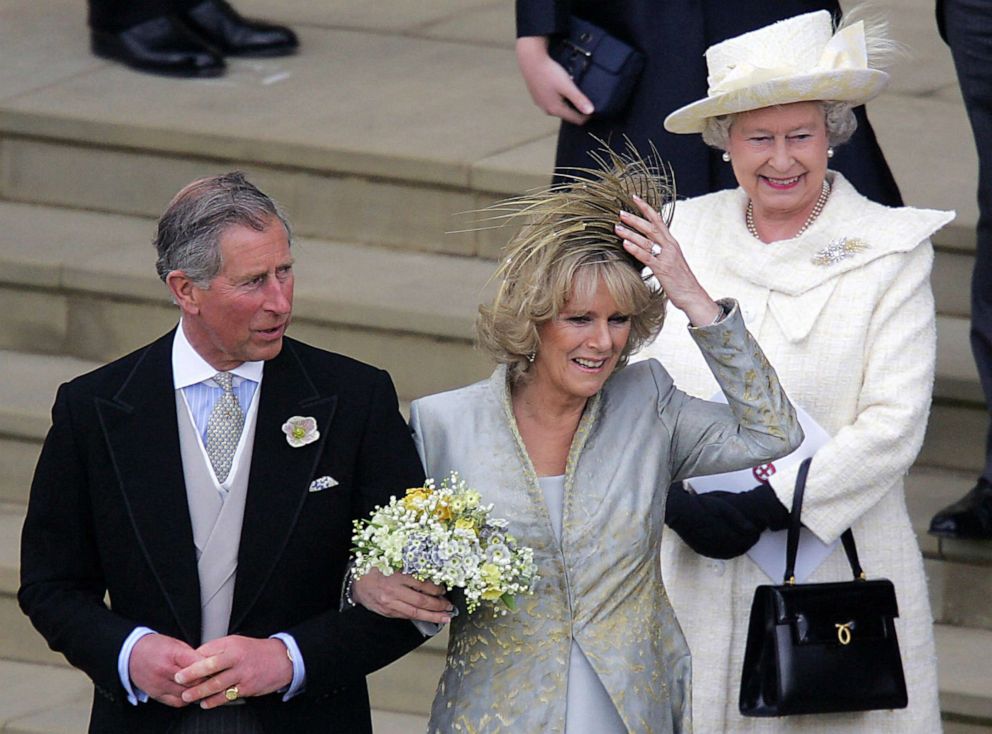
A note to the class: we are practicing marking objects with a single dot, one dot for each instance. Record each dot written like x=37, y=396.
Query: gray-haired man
x=168, y=484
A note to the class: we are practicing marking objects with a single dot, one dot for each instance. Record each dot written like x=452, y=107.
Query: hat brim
x=855, y=86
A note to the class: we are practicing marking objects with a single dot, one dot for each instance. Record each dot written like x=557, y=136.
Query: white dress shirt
x=193, y=375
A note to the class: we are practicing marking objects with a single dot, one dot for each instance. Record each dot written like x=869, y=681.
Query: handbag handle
x=795, y=523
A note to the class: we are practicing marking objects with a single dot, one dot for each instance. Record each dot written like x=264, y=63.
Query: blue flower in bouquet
x=445, y=535
x=417, y=555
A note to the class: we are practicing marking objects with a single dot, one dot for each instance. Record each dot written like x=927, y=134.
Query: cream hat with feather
x=799, y=59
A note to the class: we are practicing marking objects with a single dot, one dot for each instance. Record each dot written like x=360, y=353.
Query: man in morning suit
x=180, y=546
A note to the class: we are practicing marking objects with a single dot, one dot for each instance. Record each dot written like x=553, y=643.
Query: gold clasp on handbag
x=844, y=633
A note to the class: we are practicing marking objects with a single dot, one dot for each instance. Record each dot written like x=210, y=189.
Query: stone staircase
x=396, y=117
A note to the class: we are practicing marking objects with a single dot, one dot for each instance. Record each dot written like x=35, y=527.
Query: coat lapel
x=142, y=434
x=796, y=267
x=280, y=474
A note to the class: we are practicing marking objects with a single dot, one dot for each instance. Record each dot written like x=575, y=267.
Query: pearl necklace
x=821, y=201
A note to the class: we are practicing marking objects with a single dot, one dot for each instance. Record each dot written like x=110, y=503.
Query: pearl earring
x=530, y=357
x=830, y=152
x=726, y=157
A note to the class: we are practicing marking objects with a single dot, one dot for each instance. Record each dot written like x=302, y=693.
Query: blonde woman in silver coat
x=577, y=452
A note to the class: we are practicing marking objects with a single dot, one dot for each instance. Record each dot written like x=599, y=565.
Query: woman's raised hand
x=647, y=238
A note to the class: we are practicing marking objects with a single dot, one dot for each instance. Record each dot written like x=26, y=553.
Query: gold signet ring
x=232, y=693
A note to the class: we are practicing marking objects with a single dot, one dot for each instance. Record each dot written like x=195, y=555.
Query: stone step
x=401, y=687
x=27, y=389
x=83, y=284
x=964, y=661
x=960, y=584
x=48, y=249
x=951, y=281
x=955, y=437
x=961, y=726
x=52, y=699
x=959, y=573
x=385, y=125
x=956, y=375
x=45, y=699
x=372, y=135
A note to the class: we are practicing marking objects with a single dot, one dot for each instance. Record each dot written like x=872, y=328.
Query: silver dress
x=600, y=585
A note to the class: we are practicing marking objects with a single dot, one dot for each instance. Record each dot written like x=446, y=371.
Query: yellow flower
x=490, y=573
x=464, y=523
x=491, y=594
x=442, y=512
x=472, y=498
x=415, y=498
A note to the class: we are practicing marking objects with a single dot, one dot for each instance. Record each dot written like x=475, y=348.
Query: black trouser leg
x=969, y=33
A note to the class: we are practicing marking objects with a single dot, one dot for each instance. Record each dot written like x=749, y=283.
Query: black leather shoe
x=968, y=518
x=219, y=24
x=161, y=46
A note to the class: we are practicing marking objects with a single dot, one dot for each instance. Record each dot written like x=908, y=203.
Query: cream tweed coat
x=853, y=342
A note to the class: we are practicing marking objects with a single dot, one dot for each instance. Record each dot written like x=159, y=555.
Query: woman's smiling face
x=779, y=155
x=581, y=347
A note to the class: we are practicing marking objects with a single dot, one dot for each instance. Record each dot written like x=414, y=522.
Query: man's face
x=244, y=313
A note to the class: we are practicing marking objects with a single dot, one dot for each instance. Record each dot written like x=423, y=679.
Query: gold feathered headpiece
x=565, y=228
x=581, y=212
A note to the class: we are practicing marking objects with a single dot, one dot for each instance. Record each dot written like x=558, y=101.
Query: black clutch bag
x=822, y=648
x=602, y=66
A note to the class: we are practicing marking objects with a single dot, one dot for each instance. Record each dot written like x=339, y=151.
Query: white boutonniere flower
x=300, y=430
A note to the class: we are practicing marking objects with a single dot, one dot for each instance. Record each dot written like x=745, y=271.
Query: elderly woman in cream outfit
x=577, y=454
x=836, y=289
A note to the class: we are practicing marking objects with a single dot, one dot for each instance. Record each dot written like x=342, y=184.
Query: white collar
x=189, y=368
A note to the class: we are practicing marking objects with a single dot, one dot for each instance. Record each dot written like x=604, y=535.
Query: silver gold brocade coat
x=602, y=584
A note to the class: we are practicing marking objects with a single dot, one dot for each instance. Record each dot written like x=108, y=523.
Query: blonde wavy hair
x=565, y=246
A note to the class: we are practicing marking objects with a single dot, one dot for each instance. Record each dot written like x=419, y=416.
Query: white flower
x=443, y=533
x=300, y=430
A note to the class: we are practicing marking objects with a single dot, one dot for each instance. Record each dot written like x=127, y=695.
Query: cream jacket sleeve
x=864, y=459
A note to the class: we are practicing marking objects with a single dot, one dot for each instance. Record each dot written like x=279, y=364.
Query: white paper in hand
x=769, y=551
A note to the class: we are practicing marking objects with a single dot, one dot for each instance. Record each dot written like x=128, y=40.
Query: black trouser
x=238, y=719
x=968, y=25
x=116, y=15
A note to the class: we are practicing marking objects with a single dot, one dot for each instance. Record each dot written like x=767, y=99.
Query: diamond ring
x=655, y=249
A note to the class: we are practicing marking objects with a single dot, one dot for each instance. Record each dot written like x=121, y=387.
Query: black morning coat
x=108, y=515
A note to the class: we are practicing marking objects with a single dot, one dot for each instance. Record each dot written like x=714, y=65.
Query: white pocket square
x=322, y=483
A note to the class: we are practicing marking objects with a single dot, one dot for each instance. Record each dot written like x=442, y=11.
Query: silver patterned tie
x=224, y=427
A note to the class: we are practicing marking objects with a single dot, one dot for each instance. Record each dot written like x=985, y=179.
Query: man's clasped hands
x=173, y=673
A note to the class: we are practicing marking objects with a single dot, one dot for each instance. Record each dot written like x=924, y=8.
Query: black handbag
x=821, y=648
x=602, y=66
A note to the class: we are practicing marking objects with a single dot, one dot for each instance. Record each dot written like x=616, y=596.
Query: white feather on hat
x=799, y=59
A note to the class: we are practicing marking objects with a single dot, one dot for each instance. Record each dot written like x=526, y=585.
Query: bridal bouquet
x=445, y=535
